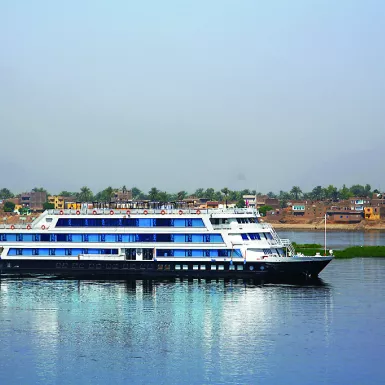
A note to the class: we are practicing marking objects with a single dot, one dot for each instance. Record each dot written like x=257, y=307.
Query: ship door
x=130, y=254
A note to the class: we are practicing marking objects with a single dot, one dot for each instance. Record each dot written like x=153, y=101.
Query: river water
x=196, y=332
x=336, y=239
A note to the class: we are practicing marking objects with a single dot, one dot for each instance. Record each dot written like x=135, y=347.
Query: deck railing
x=150, y=211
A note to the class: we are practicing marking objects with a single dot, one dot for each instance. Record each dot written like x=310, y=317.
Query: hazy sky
x=185, y=94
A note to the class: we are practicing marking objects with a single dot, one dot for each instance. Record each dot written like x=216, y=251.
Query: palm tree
x=181, y=195
x=85, y=194
x=296, y=192
x=225, y=191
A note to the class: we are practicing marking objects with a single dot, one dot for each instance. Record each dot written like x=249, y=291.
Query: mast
x=325, y=236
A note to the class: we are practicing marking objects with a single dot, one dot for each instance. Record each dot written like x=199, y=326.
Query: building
x=344, y=216
x=34, y=200
x=374, y=213
x=57, y=201
x=358, y=203
x=121, y=196
x=260, y=200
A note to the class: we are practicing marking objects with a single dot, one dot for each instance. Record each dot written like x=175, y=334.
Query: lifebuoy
x=180, y=212
x=12, y=227
x=28, y=227
x=198, y=212
x=42, y=227
x=61, y=212
x=163, y=212
x=128, y=212
x=112, y=212
x=145, y=212
x=94, y=212
x=77, y=212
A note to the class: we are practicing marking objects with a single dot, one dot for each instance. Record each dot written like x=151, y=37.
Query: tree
x=241, y=203
x=357, y=190
x=263, y=209
x=85, y=194
x=270, y=194
x=209, y=194
x=48, y=206
x=217, y=196
x=344, y=193
x=136, y=193
x=296, y=192
x=65, y=193
x=225, y=191
x=199, y=193
x=107, y=194
x=368, y=190
x=40, y=189
x=331, y=192
x=9, y=207
x=181, y=195
x=5, y=194
x=163, y=197
x=317, y=193
x=153, y=194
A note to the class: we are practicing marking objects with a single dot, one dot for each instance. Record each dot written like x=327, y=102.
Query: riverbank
x=320, y=226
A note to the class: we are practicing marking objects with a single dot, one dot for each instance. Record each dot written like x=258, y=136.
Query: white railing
x=149, y=211
x=287, y=243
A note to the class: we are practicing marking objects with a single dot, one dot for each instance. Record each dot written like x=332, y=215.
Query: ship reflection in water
x=147, y=330
x=191, y=331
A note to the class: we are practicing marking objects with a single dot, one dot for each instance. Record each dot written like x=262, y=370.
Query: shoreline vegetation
x=310, y=249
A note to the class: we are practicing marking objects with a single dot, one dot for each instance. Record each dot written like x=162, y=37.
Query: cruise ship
x=154, y=241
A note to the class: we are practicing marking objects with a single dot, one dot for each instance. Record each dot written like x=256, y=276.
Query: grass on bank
x=350, y=252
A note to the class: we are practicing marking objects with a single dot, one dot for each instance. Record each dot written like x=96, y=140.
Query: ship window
x=160, y=267
x=245, y=237
x=240, y=267
x=167, y=267
x=203, y=267
x=213, y=267
x=221, y=267
x=177, y=267
x=185, y=267
x=48, y=220
x=231, y=267
x=195, y=267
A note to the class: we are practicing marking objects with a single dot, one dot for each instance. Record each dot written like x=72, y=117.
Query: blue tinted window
x=198, y=238
x=145, y=222
x=129, y=222
x=216, y=238
x=110, y=238
x=197, y=222
x=244, y=237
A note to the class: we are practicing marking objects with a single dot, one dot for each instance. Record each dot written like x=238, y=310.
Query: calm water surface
x=83, y=332
x=336, y=239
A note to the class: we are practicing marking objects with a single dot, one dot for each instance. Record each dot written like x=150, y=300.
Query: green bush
x=9, y=207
